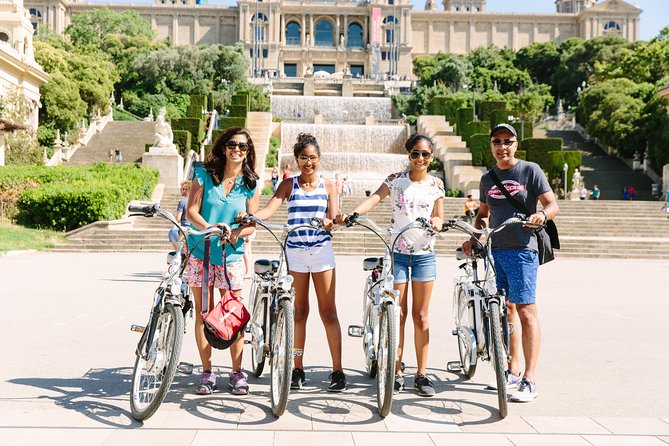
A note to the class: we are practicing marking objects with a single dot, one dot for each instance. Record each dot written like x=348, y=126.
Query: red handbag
x=227, y=320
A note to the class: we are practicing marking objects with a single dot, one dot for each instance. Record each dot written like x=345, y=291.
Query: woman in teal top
x=225, y=186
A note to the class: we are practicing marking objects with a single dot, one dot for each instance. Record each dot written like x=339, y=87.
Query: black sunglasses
x=243, y=147
x=415, y=154
x=506, y=142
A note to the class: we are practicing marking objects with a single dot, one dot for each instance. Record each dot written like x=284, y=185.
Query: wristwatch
x=545, y=214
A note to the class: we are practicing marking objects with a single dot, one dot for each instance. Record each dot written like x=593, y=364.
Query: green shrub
x=475, y=127
x=65, y=198
x=193, y=125
x=272, y=159
x=537, y=149
x=199, y=101
x=498, y=117
x=182, y=139
x=226, y=123
x=193, y=111
x=485, y=108
x=463, y=116
x=436, y=164
x=521, y=155
x=480, y=147
x=238, y=111
x=242, y=99
x=438, y=105
x=557, y=159
x=454, y=192
x=524, y=130
x=267, y=190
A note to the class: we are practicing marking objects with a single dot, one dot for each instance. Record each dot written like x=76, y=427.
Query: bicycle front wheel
x=466, y=319
x=258, y=330
x=386, y=356
x=153, y=375
x=282, y=356
x=499, y=361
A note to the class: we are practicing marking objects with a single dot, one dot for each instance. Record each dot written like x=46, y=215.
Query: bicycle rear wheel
x=281, y=363
x=499, y=356
x=152, y=376
x=466, y=319
x=386, y=355
x=258, y=330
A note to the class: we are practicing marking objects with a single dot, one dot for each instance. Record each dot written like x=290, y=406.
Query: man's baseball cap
x=503, y=128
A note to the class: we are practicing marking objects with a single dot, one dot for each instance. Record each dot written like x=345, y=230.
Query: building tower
x=464, y=5
x=573, y=6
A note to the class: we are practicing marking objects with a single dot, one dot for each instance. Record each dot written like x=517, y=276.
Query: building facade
x=292, y=37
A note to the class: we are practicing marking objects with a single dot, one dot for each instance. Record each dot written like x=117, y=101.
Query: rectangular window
x=290, y=69
x=264, y=53
x=384, y=55
x=358, y=70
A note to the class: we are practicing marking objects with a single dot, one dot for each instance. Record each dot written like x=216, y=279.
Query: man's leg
x=531, y=336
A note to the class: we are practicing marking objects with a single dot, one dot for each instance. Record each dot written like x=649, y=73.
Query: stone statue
x=576, y=179
x=164, y=137
x=430, y=5
x=341, y=40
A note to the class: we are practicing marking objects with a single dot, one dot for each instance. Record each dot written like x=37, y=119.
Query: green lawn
x=14, y=237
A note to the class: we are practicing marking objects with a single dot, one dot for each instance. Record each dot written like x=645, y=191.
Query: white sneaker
x=512, y=382
x=527, y=391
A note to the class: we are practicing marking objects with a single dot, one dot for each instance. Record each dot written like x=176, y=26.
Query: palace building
x=293, y=37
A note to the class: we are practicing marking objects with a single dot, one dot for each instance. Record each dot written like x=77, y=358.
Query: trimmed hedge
x=463, y=116
x=65, y=198
x=199, y=101
x=182, y=139
x=241, y=99
x=524, y=131
x=193, y=125
x=226, y=123
x=485, y=108
x=438, y=105
x=238, y=111
x=521, y=155
x=193, y=111
x=475, y=127
x=557, y=159
x=537, y=149
x=498, y=117
x=272, y=159
x=480, y=148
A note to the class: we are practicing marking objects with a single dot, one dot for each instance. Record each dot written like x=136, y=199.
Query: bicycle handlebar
x=153, y=209
x=469, y=229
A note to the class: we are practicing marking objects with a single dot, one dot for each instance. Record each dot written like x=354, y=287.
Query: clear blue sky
x=655, y=14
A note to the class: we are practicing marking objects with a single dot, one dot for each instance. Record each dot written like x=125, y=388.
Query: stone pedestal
x=370, y=119
x=318, y=117
x=309, y=88
x=347, y=86
x=168, y=162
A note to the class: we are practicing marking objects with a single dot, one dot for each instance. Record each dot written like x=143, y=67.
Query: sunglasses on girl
x=243, y=147
x=425, y=155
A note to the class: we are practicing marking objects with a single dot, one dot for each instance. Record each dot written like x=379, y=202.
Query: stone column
x=312, y=31
x=303, y=31
x=196, y=30
x=175, y=30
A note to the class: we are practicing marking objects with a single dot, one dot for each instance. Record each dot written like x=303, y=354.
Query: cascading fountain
x=333, y=109
x=366, y=154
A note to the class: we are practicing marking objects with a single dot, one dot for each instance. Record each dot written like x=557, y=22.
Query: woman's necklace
x=312, y=183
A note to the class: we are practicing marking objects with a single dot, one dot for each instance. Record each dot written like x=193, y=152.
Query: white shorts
x=311, y=260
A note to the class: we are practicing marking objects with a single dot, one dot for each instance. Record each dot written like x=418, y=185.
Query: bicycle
x=272, y=323
x=159, y=347
x=380, y=312
x=479, y=310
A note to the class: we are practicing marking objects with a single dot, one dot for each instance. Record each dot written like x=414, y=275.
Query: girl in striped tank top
x=310, y=253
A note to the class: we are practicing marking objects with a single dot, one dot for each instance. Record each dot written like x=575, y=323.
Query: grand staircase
x=129, y=136
x=588, y=229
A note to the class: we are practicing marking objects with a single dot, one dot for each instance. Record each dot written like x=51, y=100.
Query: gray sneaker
x=527, y=391
x=399, y=383
x=512, y=382
x=423, y=386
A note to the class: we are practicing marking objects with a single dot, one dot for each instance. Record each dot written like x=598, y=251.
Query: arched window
x=390, y=23
x=293, y=31
x=258, y=25
x=324, y=33
x=611, y=27
x=355, y=35
x=35, y=17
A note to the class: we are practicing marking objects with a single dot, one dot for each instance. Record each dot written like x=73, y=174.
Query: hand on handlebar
x=437, y=224
x=468, y=247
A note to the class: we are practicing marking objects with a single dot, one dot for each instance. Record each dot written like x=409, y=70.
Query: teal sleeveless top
x=217, y=208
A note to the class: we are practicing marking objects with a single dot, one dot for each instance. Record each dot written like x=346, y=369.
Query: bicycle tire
x=386, y=357
x=370, y=364
x=149, y=387
x=466, y=318
x=257, y=366
x=499, y=356
x=281, y=363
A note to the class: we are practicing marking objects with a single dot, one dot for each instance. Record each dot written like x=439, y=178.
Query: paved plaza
x=67, y=354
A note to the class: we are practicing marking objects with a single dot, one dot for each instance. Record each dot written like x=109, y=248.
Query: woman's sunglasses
x=243, y=147
x=425, y=155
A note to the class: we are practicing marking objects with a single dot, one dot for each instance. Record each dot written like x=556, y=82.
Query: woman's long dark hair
x=215, y=161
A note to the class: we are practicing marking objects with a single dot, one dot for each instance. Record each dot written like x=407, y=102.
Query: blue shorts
x=517, y=274
x=173, y=235
x=423, y=267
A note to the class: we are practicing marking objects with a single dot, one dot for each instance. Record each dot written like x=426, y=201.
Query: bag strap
x=205, y=277
x=517, y=204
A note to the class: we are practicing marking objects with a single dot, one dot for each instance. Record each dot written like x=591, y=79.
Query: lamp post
x=522, y=125
x=566, y=169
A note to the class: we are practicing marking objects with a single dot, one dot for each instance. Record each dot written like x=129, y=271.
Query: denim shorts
x=414, y=267
x=516, y=271
x=311, y=260
x=173, y=235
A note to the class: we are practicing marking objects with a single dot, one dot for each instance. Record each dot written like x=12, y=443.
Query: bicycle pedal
x=356, y=331
x=453, y=366
x=137, y=328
